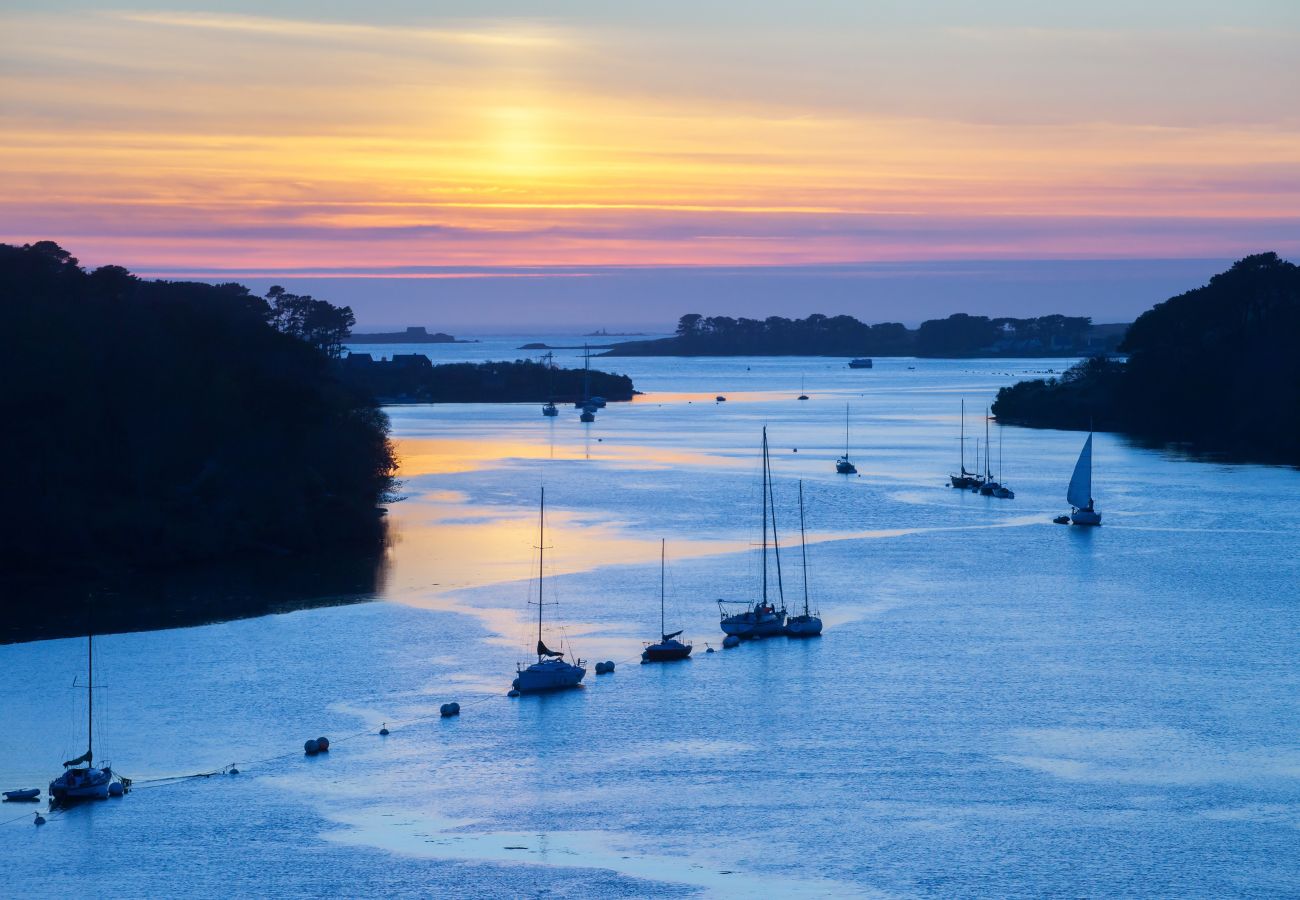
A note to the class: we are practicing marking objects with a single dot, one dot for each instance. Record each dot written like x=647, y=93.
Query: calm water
x=1000, y=706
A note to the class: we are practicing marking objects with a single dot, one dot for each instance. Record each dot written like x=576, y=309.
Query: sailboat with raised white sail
x=668, y=648
x=1079, y=494
x=762, y=618
x=550, y=672
x=87, y=782
x=806, y=624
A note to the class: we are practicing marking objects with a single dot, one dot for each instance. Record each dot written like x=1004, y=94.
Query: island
x=959, y=335
x=415, y=334
x=413, y=378
x=154, y=424
x=1215, y=368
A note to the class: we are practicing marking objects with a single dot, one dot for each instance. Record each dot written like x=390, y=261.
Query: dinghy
x=23, y=794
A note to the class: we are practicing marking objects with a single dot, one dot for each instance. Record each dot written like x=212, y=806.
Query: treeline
x=959, y=335
x=414, y=378
x=151, y=423
x=1216, y=367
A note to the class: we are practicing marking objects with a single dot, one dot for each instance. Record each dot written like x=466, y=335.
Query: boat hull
x=76, y=785
x=844, y=468
x=25, y=794
x=666, y=651
x=754, y=623
x=1085, y=517
x=803, y=626
x=549, y=675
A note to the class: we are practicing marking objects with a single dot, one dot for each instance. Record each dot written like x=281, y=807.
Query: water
x=1000, y=706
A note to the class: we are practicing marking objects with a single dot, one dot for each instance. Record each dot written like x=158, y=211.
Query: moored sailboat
x=1079, y=494
x=988, y=485
x=550, y=672
x=806, y=624
x=761, y=618
x=668, y=648
x=843, y=466
x=87, y=782
x=965, y=480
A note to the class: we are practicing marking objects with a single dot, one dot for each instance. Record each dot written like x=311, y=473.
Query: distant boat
x=863, y=363
x=550, y=672
x=987, y=484
x=807, y=624
x=842, y=465
x=22, y=794
x=802, y=394
x=588, y=414
x=550, y=409
x=86, y=782
x=762, y=618
x=1002, y=492
x=1079, y=493
x=668, y=648
x=966, y=480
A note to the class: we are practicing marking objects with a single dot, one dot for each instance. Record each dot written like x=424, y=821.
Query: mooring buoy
x=447, y=710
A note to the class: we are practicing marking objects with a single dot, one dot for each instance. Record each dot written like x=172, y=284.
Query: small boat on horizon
x=802, y=393
x=807, y=624
x=668, y=648
x=550, y=409
x=761, y=618
x=843, y=465
x=1079, y=494
x=550, y=672
x=863, y=363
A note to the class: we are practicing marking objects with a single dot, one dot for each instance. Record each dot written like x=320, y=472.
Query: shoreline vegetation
x=1215, y=368
x=156, y=424
x=413, y=378
x=956, y=337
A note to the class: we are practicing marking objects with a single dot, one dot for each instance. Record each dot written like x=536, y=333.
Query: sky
x=497, y=165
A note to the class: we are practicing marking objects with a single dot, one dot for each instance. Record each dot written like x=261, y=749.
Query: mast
x=662, y=545
x=764, y=511
x=541, y=551
x=586, y=373
x=988, y=476
x=90, y=700
x=846, y=431
x=803, y=548
x=776, y=544
x=963, y=436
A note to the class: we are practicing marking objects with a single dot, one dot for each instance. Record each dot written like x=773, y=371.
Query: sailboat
x=588, y=407
x=668, y=648
x=842, y=465
x=1002, y=492
x=88, y=782
x=988, y=485
x=762, y=618
x=549, y=408
x=1079, y=493
x=550, y=672
x=965, y=480
x=806, y=624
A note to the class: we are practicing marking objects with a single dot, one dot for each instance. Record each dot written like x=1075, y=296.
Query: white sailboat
x=761, y=618
x=1079, y=493
x=550, y=672
x=87, y=782
x=806, y=624
x=668, y=647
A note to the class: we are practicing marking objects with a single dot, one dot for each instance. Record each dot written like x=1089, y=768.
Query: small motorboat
x=1061, y=520
x=550, y=409
x=22, y=795
x=720, y=399
x=863, y=363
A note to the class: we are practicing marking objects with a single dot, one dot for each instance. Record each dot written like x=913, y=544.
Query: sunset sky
x=626, y=163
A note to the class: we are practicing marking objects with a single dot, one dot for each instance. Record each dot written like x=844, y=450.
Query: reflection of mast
x=803, y=546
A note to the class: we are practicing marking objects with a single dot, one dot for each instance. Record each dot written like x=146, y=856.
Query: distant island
x=957, y=336
x=1216, y=367
x=151, y=424
x=415, y=334
x=538, y=345
x=413, y=378
x=601, y=332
